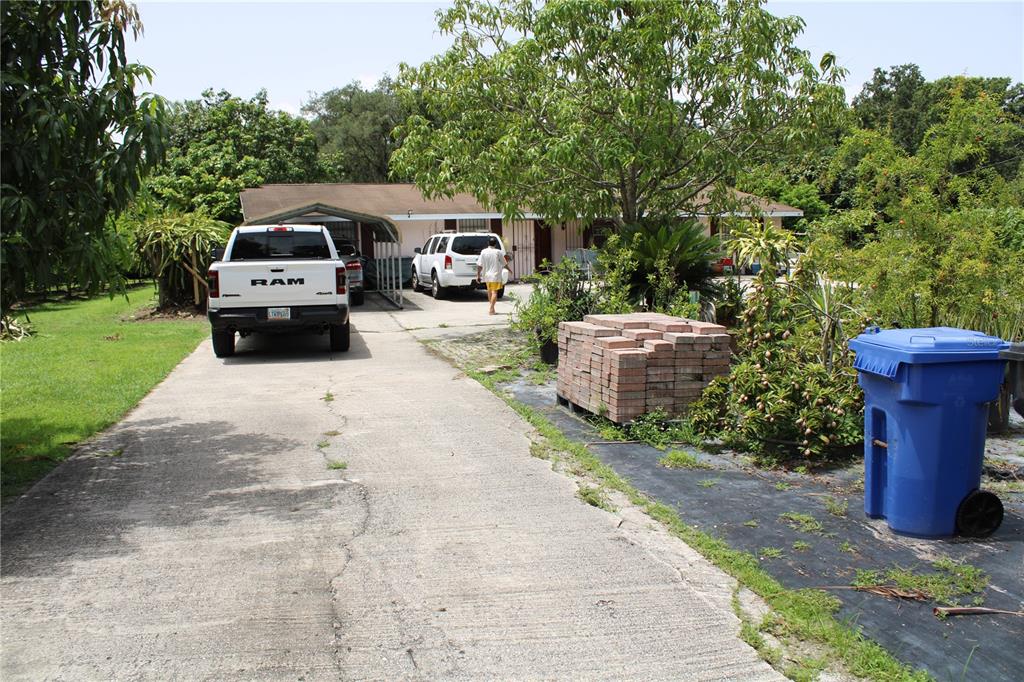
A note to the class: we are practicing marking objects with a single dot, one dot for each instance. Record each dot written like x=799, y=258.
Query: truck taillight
x=339, y=278
x=213, y=281
x=447, y=262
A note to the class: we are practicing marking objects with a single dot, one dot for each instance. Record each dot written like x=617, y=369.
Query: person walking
x=489, y=268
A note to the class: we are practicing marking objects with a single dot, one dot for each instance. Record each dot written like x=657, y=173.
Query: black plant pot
x=549, y=352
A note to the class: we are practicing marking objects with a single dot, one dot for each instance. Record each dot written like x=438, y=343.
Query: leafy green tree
x=76, y=141
x=608, y=108
x=889, y=102
x=353, y=129
x=938, y=227
x=935, y=97
x=222, y=144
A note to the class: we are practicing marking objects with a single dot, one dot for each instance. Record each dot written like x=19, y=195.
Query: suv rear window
x=280, y=246
x=470, y=245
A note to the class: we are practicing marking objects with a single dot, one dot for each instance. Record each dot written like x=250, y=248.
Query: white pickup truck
x=275, y=278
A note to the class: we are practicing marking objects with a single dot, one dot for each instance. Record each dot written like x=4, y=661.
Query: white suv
x=448, y=260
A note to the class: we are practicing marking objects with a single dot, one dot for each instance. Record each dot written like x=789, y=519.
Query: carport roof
x=399, y=202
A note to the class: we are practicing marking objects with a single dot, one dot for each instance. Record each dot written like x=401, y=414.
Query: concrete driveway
x=206, y=537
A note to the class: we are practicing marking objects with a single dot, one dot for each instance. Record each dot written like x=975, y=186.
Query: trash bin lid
x=881, y=351
x=1014, y=352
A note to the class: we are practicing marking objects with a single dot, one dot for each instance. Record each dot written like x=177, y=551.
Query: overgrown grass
x=836, y=507
x=805, y=523
x=595, y=496
x=654, y=428
x=949, y=581
x=801, y=614
x=680, y=459
x=84, y=369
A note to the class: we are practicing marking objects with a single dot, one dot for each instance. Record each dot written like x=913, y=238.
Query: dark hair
x=493, y=241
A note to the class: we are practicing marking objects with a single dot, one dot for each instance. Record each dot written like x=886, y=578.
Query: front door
x=541, y=243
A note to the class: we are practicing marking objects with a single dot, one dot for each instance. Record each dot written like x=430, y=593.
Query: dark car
x=354, y=262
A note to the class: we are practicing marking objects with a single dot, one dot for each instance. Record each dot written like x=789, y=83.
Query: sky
x=295, y=50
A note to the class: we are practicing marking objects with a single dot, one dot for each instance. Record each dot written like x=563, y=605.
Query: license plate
x=279, y=313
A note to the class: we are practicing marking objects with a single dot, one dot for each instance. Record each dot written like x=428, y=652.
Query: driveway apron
x=206, y=536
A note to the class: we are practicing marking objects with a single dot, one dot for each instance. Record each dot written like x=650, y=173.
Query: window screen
x=472, y=225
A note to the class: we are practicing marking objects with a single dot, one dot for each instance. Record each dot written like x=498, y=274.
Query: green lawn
x=82, y=371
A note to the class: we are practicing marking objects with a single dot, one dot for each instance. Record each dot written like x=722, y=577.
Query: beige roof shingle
x=400, y=199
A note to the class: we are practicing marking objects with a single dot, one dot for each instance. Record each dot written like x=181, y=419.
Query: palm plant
x=176, y=247
x=675, y=249
x=761, y=242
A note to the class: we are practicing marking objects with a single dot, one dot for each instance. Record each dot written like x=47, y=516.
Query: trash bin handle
x=914, y=339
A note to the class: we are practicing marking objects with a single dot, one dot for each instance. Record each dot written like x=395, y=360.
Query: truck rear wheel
x=358, y=297
x=223, y=343
x=340, y=339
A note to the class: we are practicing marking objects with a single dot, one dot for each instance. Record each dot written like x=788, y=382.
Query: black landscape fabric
x=980, y=647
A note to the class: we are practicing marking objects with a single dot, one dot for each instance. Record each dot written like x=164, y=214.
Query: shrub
x=565, y=293
x=175, y=249
x=661, y=258
x=793, y=391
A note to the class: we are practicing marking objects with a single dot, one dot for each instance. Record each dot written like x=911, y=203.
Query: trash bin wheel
x=979, y=514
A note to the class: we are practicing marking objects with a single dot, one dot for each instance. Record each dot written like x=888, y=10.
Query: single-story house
x=388, y=221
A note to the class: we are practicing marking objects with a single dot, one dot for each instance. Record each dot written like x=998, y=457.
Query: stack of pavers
x=622, y=366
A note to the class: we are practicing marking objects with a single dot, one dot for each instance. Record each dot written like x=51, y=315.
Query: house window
x=472, y=225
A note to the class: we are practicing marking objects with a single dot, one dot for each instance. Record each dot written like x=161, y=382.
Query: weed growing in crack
x=594, y=496
x=337, y=464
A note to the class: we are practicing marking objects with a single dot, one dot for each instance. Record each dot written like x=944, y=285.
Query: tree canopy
x=900, y=102
x=76, y=140
x=353, y=129
x=607, y=108
x=221, y=144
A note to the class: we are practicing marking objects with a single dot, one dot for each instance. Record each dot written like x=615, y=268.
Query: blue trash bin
x=925, y=412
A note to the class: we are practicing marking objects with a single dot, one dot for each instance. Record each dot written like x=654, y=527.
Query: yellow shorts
x=493, y=286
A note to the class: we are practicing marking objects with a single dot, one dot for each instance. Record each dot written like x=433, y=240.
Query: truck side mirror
x=218, y=253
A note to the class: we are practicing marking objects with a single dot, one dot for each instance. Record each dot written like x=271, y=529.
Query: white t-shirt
x=491, y=263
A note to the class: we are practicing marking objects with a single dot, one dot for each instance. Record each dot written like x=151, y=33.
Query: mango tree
x=607, y=108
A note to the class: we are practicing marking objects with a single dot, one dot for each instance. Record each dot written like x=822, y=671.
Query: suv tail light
x=213, y=282
x=447, y=262
x=339, y=278
x=354, y=265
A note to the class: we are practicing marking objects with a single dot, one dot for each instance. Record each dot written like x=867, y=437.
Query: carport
x=378, y=239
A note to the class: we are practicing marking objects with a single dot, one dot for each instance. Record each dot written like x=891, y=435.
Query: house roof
x=401, y=202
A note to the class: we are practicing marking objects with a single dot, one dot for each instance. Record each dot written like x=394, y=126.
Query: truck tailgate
x=270, y=283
